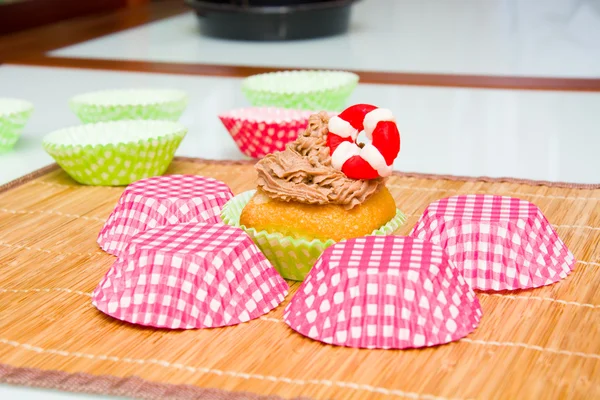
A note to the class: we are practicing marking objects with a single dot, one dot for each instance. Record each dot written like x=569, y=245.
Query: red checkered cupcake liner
x=499, y=243
x=386, y=292
x=189, y=276
x=259, y=131
x=160, y=201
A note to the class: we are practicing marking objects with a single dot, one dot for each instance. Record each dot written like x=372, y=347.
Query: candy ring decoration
x=369, y=160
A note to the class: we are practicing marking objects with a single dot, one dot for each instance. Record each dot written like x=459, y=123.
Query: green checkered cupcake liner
x=304, y=90
x=14, y=114
x=115, y=153
x=129, y=104
x=292, y=258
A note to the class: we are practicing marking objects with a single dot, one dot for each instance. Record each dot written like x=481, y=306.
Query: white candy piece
x=374, y=117
x=371, y=154
x=342, y=128
x=343, y=153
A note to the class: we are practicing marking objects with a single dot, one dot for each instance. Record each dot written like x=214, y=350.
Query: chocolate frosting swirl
x=303, y=172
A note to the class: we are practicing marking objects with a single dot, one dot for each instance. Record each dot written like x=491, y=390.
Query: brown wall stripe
x=387, y=78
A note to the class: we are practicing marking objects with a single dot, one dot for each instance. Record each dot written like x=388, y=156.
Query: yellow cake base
x=323, y=222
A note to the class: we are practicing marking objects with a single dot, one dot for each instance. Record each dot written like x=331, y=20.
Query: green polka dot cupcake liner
x=115, y=153
x=292, y=258
x=317, y=90
x=14, y=114
x=129, y=104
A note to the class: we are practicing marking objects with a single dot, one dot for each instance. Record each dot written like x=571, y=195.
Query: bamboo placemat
x=534, y=344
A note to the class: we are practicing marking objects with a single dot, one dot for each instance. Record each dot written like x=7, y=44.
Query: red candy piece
x=355, y=115
x=359, y=169
x=333, y=141
x=387, y=140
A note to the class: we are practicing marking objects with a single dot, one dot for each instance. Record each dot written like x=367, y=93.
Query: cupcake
x=325, y=187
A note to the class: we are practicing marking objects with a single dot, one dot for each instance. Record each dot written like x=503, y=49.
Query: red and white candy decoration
x=372, y=160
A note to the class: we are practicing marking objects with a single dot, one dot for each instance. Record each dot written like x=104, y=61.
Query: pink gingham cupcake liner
x=190, y=276
x=385, y=292
x=159, y=201
x=498, y=242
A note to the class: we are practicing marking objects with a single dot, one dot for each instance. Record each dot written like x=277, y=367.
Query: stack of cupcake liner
x=127, y=135
x=178, y=266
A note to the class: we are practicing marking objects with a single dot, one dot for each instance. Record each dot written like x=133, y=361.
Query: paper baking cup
x=115, y=153
x=386, y=292
x=293, y=258
x=159, y=201
x=259, y=131
x=305, y=90
x=14, y=114
x=190, y=276
x=129, y=104
x=500, y=243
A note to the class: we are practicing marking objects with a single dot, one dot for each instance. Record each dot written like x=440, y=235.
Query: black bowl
x=270, y=20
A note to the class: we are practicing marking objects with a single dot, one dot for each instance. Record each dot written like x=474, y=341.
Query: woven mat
x=534, y=344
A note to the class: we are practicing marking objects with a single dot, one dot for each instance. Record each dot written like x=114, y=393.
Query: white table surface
x=472, y=132
x=525, y=134
x=490, y=37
